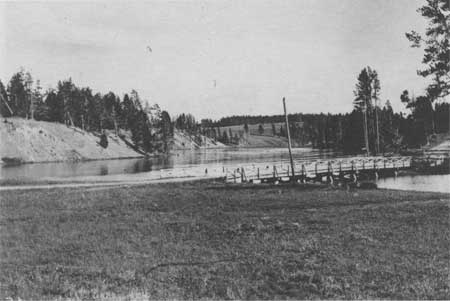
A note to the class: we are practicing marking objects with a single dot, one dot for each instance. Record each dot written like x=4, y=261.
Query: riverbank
x=210, y=240
x=30, y=141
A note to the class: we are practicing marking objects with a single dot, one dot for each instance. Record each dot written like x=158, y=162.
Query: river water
x=202, y=157
x=437, y=183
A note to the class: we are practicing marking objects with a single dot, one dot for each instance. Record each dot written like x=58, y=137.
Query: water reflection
x=103, y=170
x=436, y=183
x=140, y=165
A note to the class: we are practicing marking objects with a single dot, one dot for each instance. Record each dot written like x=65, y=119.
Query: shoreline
x=73, y=161
x=192, y=180
x=85, y=184
x=153, y=155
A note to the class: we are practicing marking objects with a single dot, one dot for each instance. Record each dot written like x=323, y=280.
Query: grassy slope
x=440, y=143
x=183, y=141
x=40, y=141
x=265, y=141
x=206, y=240
x=253, y=129
x=255, y=139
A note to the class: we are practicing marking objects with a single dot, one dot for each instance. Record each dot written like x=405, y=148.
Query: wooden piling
x=289, y=137
x=303, y=173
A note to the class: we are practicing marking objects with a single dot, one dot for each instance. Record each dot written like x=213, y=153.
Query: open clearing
x=210, y=240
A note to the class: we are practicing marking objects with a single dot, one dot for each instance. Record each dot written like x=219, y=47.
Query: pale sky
x=217, y=58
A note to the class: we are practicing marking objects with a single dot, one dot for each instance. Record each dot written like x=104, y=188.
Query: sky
x=218, y=58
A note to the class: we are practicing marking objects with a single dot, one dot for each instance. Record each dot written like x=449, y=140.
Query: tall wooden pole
x=377, y=127
x=366, y=136
x=289, y=139
x=432, y=117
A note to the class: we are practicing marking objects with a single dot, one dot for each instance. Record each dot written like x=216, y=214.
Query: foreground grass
x=206, y=240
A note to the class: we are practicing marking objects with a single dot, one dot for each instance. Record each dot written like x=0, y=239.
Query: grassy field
x=210, y=240
x=253, y=129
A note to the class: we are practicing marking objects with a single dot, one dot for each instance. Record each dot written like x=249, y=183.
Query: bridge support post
x=341, y=174
x=303, y=173
x=316, y=175
x=330, y=173
x=375, y=168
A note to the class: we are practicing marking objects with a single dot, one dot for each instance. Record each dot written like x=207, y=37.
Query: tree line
x=378, y=124
x=150, y=128
x=371, y=127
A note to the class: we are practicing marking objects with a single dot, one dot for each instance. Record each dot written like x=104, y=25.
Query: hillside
x=263, y=141
x=183, y=141
x=253, y=129
x=256, y=139
x=38, y=141
x=440, y=142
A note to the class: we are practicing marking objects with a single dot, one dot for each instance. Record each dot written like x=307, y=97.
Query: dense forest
x=369, y=128
x=346, y=131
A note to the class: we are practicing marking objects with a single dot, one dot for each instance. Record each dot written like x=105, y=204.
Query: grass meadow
x=206, y=240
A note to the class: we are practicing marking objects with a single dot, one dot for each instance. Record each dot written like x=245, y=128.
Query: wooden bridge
x=345, y=169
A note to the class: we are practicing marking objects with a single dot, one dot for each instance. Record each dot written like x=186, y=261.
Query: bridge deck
x=324, y=168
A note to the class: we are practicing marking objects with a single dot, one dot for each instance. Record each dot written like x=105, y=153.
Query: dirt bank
x=39, y=141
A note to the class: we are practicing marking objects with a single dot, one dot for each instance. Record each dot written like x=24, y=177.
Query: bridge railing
x=316, y=168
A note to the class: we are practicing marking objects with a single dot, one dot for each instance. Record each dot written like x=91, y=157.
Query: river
x=436, y=183
x=201, y=157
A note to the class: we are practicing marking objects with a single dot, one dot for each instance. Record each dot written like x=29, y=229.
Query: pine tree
x=436, y=51
x=18, y=94
x=282, y=134
x=260, y=129
x=5, y=106
x=55, y=107
x=437, y=47
x=225, y=138
x=166, y=130
x=367, y=91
